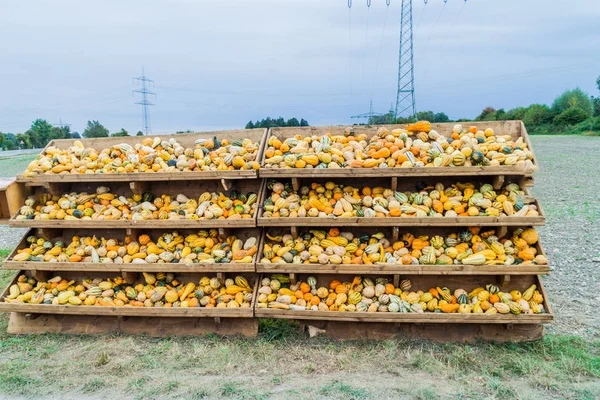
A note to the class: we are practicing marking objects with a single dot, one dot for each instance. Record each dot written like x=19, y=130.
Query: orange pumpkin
x=144, y=239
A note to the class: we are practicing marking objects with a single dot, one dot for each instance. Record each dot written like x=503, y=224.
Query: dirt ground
x=282, y=363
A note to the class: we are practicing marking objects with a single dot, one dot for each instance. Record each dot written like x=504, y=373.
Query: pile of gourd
x=157, y=290
x=104, y=205
x=416, y=146
x=470, y=247
x=206, y=246
x=337, y=200
x=150, y=155
x=365, y=295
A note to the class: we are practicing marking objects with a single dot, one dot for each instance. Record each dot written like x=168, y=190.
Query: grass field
x=283, y=363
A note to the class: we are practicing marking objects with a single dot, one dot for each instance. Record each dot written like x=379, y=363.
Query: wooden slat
x=132, y=267
x=19, y=323
x=165, y=224
x=402, y=221
x=128, y=311
x=390, y=269
x=429, y=318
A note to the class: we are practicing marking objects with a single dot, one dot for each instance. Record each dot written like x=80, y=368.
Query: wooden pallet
x=186, y=140
x=514, y=128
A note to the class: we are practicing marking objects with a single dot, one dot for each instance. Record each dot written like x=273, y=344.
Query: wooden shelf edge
x=426, y=318
x=97, y=267
x=137, y=177
x=391, y=269
x=146, y=224
x=195, y=312
x=389, y=172
x=407, y=221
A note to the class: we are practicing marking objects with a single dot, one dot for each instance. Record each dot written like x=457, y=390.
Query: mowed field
x=283, y=363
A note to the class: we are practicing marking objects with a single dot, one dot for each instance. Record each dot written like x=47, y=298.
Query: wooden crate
x=422, y=282
x=403, y=185
x=187, y=140
x=12, y=197
x=191, y=189
x=66, y=234
x=390, y=269
x=514, y=128
x=128, y=311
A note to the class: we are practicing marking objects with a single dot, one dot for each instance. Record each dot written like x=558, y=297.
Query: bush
x=575, y=98
x=537, y=114
x=571, y=116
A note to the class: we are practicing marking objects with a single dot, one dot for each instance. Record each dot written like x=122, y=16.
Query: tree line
x=573, y=111
x=276, y=122
x=41, y=132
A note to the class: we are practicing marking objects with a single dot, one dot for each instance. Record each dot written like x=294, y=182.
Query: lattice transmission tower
x=145, y=103
x=405, y=97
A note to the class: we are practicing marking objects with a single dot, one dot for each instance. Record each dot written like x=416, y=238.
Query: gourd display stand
x=37, y=318
x=435, y=326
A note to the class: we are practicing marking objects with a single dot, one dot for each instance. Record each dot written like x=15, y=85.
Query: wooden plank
x=99, y=267
x=390, y=172
x=450, y=333
x=430, y=318
x=403, y=221
x=186, y=140
x=129, y=311
x=19, y=323
x=391, y=269
x=145, y=224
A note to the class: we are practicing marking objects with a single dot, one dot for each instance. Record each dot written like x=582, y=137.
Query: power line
x=145, y=102
x=61, y=124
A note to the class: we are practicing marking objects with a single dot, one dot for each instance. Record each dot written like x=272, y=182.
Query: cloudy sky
x=217, y=64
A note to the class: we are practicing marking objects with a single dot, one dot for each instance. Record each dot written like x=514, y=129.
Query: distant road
x=16, y=153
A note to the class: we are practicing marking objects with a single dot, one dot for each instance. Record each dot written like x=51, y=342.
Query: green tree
x=440, y=117
x=39, y=133
x=292, y=122
x=488, y=114
x=571, y=116
x=122, y=132
x=95, y=129
x=537, y=114
x=139, y=133
x=75, y=135
x=250, y=125
x=516, y=113
x=426, y=116
x=23, y=141
x=573, y=98
x=303, y=122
